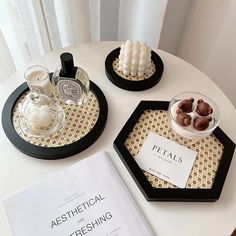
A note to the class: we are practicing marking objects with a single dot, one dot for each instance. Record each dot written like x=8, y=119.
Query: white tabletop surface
x=18, y=171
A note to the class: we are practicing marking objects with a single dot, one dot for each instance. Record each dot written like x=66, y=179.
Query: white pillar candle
x=37, y=78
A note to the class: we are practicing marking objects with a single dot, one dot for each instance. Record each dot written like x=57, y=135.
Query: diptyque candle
x=37, y=78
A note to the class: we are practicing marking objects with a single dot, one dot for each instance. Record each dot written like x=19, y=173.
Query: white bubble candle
x=134, y=58
x=40, y=117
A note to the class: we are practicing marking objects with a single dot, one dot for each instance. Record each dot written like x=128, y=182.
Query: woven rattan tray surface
x=209, y=149
x=149, y=72
x=83, y=125
x=79, y=122
x=214, y=154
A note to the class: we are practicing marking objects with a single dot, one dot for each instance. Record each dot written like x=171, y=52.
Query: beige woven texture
x=149, y=71
x=209, y=150
x=79, y=120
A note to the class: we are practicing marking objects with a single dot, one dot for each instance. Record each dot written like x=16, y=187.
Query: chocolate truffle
x=203, y=108
x=201, y=123
x=183, y=118
x=186, y=105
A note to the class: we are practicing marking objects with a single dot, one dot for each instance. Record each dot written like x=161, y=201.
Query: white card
x=166, y=159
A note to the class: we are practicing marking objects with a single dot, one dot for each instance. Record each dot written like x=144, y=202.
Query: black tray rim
x=52, y=153
x=169, y=194
x=129, y=84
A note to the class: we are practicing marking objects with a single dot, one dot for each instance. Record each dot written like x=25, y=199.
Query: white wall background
x=209, y=42
x=109, y=19
x=141, y=20
x=173, y=24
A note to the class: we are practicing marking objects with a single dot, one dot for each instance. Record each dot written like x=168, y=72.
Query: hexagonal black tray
x=172, y=194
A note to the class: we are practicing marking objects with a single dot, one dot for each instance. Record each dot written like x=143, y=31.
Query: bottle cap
x=67, y=63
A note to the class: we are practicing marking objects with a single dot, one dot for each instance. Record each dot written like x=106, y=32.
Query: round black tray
x=133, y=85
x=51, y=153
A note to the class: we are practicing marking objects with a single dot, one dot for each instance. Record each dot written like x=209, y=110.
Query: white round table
x=18, y=171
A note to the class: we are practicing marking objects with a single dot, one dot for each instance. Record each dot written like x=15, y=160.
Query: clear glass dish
x=40, y=116
x=189, y=131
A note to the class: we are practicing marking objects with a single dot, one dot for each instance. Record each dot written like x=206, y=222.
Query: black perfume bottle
x=72, y=82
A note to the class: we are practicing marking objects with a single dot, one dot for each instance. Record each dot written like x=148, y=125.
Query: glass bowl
x=40, y=116
x=189, y=131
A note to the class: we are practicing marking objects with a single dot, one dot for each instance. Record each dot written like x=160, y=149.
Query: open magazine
x=88, y=198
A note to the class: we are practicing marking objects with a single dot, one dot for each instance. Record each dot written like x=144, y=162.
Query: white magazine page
x=88, y=198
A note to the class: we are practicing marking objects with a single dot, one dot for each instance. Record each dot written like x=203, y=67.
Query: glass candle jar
x=197, y=121
x=38, y=80
x=40, y=116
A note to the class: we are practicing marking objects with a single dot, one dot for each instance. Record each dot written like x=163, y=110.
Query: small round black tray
x=50, y=153
x=133, y=85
